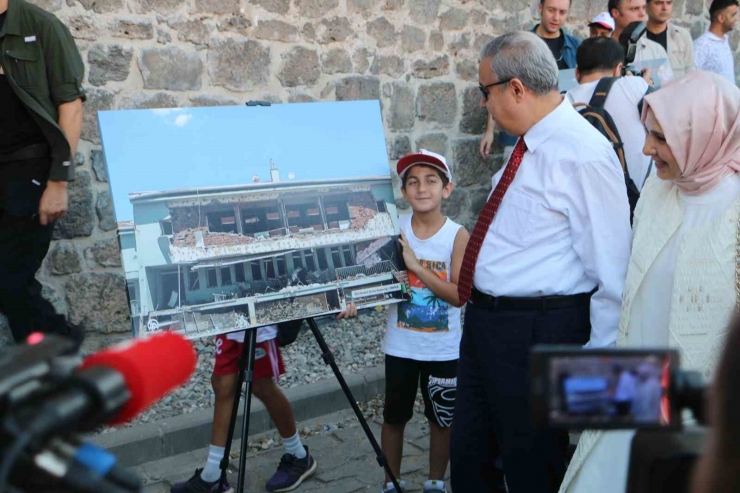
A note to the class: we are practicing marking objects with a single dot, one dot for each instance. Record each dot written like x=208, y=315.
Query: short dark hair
x=442, y=176
x=542, y=2
x=596, y=54
x=720, y=5
x=613, y=4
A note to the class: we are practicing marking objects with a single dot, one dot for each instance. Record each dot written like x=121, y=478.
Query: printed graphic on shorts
x=426, y=312
x=442, y=394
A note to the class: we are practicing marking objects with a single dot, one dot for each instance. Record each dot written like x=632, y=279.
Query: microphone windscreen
x=151, y=368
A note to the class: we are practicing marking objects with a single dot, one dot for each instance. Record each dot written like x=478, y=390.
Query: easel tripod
x=246, y=374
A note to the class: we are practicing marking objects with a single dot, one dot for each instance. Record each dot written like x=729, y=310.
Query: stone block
x=391, y=65
x=474, y=116
x=437, y=103
x=315, y=9
x=64, y=259
x=79, y=220
x=83, y=26
x=698, y=28
x=209, y=100
x=456, y=204
x=104, y=209
x=453, y=19
x=274, y=6
x=300, y=67
x=194, y=31
x=236, y=23
x=401, y=110
x=336, y=61
x=355, y=88
x=435, y=142
x=132, y=28
x=239, y=65
x=98, y=302
x=97, y=100
x=98, y=165
x=423, y=11
x=695, y=7
x=436, y=40
x=217, y=6
x=147, y=101
x=458, y=43
x=383, y=31
x=301, y=98
x=335, y=30
x=162, y=6
x=163, y=37
x=362, y=60
x=399, y=147
x=467, y=70
x=412, y=39
x=427, y=69
x=171, y=69
x=276, y=30
x=104, y=253
x=79, y=159
x=477, y=17
x=108, y=63
x=102, y=6
x=361, y=5
x=470, y=168
x=309, y=32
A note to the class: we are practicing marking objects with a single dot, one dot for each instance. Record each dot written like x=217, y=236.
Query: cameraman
x=603, y=57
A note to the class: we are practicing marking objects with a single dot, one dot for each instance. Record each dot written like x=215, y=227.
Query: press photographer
x=45, y=400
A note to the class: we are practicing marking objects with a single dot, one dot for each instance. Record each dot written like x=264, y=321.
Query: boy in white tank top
x=423, y=336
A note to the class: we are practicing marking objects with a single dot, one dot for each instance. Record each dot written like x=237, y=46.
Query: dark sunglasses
x=485, y=89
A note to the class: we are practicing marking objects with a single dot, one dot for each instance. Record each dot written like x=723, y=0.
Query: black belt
x=33, y=151
x=529, y=304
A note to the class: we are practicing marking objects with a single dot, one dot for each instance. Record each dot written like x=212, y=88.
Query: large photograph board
x=237, y=217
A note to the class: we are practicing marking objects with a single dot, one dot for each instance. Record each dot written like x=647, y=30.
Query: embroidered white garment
x=713, y=54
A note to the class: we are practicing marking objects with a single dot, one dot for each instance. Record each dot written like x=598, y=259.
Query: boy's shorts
x=268, y=362
x=438, y=380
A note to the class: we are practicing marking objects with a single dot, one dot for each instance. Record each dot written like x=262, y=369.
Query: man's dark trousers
x=24, y=243
x=493, y=393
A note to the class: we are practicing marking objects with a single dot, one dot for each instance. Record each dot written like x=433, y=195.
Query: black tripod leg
x=247, y=411
x=328, y=357
x=246, y=369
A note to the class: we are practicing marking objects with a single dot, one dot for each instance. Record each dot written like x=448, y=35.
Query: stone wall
x=419, y=57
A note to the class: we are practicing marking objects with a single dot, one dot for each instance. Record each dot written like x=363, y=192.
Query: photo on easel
x=237, y=217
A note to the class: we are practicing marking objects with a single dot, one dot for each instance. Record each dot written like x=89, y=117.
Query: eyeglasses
x=485, y=89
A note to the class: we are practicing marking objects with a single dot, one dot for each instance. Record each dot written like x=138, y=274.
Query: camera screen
x=618, y=390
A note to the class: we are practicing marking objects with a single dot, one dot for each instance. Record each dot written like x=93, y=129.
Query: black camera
x=628, y=39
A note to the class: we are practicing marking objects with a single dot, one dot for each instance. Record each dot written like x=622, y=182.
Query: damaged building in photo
x=212, y=260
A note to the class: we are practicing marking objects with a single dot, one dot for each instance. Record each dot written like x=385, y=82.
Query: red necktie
x=465, y=282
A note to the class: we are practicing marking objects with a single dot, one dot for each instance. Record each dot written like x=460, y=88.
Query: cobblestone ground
x=345, y=457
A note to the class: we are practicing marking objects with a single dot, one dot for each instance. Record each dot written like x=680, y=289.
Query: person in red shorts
x=296, y=464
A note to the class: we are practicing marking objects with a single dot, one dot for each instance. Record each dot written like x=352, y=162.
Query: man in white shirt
x=602, y=57
x=545, y=264
x=674, y=39
x=712, y=49
x=626, y=11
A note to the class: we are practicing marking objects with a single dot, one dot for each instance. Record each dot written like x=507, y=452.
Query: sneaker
x=389, y=488
x=434, y=486
x=291, y=472
x=197, y=485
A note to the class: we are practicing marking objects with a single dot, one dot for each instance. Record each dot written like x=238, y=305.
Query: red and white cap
x=428, y=158
x=604, y=20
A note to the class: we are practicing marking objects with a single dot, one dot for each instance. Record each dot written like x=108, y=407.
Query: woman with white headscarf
x=681, y=285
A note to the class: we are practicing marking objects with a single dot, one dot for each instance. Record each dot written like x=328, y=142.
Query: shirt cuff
x=66, y=93
x=62, y=170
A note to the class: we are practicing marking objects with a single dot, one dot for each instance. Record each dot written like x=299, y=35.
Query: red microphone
x=151, y=368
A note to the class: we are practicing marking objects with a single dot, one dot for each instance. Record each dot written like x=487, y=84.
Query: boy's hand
x=409, y=257
x=349, y=312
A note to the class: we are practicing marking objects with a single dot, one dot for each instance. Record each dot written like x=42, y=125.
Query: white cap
x=604, y=20
x=428, y=158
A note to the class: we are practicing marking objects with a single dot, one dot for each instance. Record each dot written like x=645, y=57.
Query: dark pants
x=23, y=245
x=493, y=395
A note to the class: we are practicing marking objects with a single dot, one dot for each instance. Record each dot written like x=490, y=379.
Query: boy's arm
x=442, y=288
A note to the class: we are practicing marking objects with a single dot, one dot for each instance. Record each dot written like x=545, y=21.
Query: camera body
x=628, y=39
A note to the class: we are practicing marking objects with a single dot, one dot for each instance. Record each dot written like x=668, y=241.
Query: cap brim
x=407, y=162
x=605, y=26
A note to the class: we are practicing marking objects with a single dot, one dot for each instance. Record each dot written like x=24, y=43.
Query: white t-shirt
x=621, y=103
x=266, y=333
x=713, y=54
x=426, y=328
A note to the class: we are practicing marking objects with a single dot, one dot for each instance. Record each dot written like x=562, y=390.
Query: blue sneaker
x=291, y=472
x=196, y=485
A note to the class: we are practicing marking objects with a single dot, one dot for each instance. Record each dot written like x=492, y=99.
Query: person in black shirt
x=659, y=13
x=553, y=14
x=675, y=40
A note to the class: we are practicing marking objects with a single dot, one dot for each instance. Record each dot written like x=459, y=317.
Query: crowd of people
x=557, y=255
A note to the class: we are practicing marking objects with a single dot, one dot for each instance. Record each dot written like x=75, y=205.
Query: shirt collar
x=541, y=130
x=12, y=23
